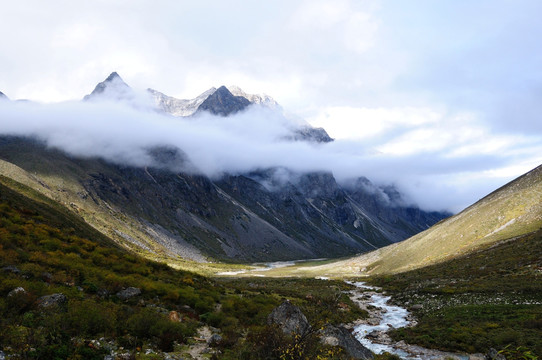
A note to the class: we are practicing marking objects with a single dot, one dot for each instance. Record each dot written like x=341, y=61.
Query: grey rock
x=12, y=269
x=417, y=307
x=289, y=318
x=340, y=336
x=102, y=293
x=128, y=293
x=214, y=340
x=124, y=356
x=47, y=276
x=493, y=354
x=17, y=290
x=48, y=301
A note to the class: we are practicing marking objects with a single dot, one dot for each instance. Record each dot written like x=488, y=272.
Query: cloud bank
x=433, y=178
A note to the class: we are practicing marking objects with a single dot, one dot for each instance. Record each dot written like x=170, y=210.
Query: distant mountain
x=3, y=96
x=112, y=88
x=187, y=107
x=259, y=216
x=507, y=214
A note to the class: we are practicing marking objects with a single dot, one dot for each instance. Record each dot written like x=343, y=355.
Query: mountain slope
x=222, y=102
x=172, y=216
x=511, y=211
x=169, y=216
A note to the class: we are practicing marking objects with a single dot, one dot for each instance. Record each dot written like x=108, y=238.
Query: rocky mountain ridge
x=162, y=212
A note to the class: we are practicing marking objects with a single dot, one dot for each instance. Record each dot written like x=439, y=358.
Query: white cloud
x=436, y=88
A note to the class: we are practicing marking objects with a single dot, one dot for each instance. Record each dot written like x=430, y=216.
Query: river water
x=384, y=318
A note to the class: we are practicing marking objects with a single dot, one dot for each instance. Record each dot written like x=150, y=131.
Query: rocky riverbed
x=373, y=331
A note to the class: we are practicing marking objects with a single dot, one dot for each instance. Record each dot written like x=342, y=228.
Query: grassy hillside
x=46, y=250
x=511, y=211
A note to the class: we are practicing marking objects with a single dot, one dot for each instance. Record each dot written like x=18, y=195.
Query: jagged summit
x=112, y=87
x=179, y=107
x=114, y=75
x=222, y=102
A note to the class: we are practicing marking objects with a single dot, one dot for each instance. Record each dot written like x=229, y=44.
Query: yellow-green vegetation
x=46, y=250
x=66, y=192
x=509, y=212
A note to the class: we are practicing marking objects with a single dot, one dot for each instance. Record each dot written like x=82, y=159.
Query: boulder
x=214, y=340
x=16, y=291
x=289, y=318
x=340, y=336
x=103, y=293
x=48, y=301
x=12, y=269
x=493, y=354
x=47, y=277
x=128, y=293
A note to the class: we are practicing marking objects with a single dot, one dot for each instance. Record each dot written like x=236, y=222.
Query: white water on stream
x=392, y=317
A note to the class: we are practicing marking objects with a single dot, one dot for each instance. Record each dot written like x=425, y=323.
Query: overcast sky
x=449, y=90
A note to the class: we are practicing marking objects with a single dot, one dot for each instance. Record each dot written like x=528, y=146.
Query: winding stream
x=372, y=333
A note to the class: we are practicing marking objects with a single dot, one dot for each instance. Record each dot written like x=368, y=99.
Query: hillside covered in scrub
x=66, y=291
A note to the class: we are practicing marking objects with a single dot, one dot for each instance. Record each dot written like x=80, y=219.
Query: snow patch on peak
x=179, y=107
x=261, y=99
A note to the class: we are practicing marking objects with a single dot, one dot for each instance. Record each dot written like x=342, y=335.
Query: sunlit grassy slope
x=509, y=212
x=65, y=200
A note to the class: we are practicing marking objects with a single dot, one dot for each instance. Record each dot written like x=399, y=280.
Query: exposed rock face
x=48, y=301
x=340, y=336
x=308, y=133
x=222, y=102
x=128, y=293
x=266, y=215
x=289, y=318
x=3, y=96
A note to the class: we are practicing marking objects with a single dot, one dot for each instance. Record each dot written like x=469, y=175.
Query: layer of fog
x=254, y=139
